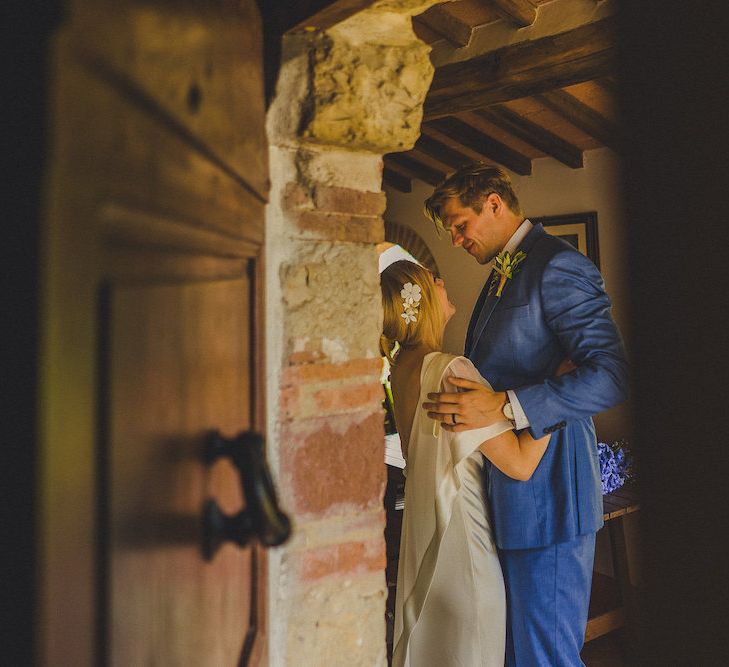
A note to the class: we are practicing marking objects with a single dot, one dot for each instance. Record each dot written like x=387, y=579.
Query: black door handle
x=262, y=519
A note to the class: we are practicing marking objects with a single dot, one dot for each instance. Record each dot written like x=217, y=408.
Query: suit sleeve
x=577, y=311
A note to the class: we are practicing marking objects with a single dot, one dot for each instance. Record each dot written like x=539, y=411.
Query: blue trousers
x=547, y=596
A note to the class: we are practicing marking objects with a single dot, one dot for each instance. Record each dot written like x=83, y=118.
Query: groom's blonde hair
x=428, y=327
x=471, y=184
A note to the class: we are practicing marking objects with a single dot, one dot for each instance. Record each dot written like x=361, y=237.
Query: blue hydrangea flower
x=615, y=466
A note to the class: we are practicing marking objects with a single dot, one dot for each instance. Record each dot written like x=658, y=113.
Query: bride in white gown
x=450, y=608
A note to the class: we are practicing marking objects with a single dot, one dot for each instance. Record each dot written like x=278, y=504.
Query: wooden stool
x=613, y=601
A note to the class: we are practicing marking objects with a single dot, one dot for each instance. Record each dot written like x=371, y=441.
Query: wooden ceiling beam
x=533, y=134
x=609, y=85
x=424, y=33
x=441, y=152
x=519, y=12
x=477, y=141
x=456, y=31
x=396, y=180
x=581, y=116
x=408, y=166
x=524, y=69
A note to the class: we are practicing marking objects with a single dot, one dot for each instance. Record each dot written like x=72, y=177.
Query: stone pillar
x=345, y=97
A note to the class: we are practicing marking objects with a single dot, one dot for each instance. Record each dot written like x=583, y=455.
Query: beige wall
x=551, y=189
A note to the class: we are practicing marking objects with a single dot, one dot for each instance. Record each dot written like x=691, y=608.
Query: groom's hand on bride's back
x=472, y=406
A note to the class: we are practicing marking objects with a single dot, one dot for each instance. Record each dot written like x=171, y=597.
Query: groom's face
x=479, y=234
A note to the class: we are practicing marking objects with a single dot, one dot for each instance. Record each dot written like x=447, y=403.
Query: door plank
x=178, y=367
x=201, y=65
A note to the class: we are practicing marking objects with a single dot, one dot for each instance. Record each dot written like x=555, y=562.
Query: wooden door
x=154, y=241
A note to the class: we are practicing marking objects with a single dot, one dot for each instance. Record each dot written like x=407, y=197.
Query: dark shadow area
x=25, y=33
x=673, y=76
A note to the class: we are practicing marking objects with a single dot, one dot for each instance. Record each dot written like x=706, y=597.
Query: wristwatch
x=508, y=412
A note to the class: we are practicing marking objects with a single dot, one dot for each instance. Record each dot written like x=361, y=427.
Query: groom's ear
x=494, y=203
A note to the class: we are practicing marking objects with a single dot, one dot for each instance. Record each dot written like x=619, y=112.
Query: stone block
x=338, y=622
x=332, y=301
x=367, y=96
x=352, y=524
x=338, y=167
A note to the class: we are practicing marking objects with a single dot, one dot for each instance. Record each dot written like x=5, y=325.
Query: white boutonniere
x=506, y=266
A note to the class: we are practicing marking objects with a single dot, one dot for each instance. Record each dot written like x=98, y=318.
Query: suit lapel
x=476, y=314
x=483, y=318
x=486, y=305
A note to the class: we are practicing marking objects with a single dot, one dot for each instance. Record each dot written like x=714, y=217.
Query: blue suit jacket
x=554, y=308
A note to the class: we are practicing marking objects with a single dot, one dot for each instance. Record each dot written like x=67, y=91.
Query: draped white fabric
x=450, y=608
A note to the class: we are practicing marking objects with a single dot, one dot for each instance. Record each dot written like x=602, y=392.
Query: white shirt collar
x=518, y=236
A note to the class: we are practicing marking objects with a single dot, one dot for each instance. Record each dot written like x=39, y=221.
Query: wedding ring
x=453, y=417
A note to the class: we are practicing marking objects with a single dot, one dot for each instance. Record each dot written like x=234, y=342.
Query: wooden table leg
x=622, y=574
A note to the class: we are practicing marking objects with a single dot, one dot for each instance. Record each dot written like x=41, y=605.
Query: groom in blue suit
x=551, y=311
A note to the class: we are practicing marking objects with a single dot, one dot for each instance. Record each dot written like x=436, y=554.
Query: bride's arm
x=516, y=456
x=519, y=456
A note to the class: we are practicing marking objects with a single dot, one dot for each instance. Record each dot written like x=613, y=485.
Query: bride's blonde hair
x=428, y=327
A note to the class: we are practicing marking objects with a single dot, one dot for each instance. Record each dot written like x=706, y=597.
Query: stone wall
x=344, y=97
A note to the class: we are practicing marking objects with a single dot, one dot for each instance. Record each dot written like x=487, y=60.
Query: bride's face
x=447, y=307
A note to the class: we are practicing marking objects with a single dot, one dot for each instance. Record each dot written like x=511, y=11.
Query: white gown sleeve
x=464, y=443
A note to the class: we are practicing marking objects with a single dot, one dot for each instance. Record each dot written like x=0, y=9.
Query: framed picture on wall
x=578, y=229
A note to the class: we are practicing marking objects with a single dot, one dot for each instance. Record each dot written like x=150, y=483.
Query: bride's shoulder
x=439, y=366
x=437, y=363
x=463, y=368
x=434, y=366
x=458, y=365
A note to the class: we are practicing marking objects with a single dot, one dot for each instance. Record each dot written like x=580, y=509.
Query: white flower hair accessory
x=411, y=295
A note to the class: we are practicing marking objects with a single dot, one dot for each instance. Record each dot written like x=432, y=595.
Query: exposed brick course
x=303, y=372
x=335, y=462
x=346, y=200
x=325, y=226
x=296, y=196
x=306, y=357
x=309, y=390
x=303, y=401
x=348, y=397
x=339, y=559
